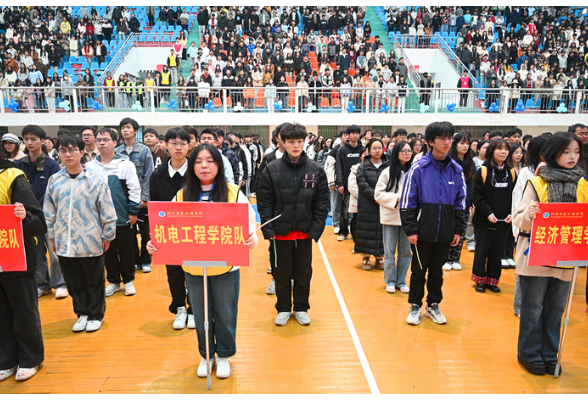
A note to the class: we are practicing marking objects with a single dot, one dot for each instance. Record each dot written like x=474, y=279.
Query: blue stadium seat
x=85, y=65
x=529, y=104
x=72, y=59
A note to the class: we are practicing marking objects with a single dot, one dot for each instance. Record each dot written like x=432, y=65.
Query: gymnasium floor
x=357, y=343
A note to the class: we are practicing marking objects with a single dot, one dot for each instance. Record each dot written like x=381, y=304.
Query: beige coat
x=389, y=201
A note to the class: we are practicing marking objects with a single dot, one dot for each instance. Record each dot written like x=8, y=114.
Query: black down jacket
x=368, y=230
x=299, y=192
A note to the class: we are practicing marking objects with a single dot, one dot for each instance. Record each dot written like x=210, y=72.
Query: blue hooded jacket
x=433, y=200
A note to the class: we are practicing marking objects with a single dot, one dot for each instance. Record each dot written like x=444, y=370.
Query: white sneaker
x=191, y=322
x=137, y=267
x=341, y=238
x=414, y=315
x=223, y=368
x=446, y=266
x=456, y=266
x=24, y=374
x=302, y=317
x=111, y=289
x=60, y=293
x=201, y=372
x=435, y=314
x=404, y=289
x=93, y=325
x=504, y=263
x=336, y=230
x=271, y=289
x=391, y=288
x=181, y=318
x=283, y=318
x=81, y=324
x=511, y=262
x=146, y=268
x=130, y=289
x=7, y=373
x=41, y=293
x=471, y=249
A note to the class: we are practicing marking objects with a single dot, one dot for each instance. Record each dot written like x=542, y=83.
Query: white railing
x=290, y=100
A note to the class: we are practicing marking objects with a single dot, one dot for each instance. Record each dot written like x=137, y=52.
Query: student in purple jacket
x=432, y=210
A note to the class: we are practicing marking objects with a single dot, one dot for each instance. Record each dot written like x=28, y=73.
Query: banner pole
x=566, y=322
x=206, y=333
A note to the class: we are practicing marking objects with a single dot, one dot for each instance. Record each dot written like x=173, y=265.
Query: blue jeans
x=336, y=207
x=395, y=272
x=46, y=281
x=543, y=303
x=223, y=303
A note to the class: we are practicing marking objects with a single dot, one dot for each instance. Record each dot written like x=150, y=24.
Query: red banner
x=560, y=233
x=12, y=249
x=207, y=232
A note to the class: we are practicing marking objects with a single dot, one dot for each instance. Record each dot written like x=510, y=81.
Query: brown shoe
x=380, y=262
x=366, y=264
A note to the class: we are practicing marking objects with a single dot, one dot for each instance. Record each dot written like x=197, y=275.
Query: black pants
x=510, y=246
x=151, y=19
x=119, y=258
x=432, y=256
x=84, y=278
x=353, y=225
x=294, y=260
x=177, y=286
x=425, y=98
x=21, y=339
x=490, y=245
x=142, y=256
x=455, y=252
x=463, y=98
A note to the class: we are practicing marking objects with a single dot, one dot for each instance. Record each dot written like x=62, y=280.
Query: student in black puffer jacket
x=295, y=188
x=368, y=231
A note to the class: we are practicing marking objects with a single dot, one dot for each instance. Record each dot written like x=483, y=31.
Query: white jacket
x=353, y=189
x=389, y=201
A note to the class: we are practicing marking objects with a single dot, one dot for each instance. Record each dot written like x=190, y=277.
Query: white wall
x=142, y=58
x=435, y=63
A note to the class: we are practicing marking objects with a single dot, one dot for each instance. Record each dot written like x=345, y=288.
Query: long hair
x=533, y=154
x=468, y=159
x=193, y=188
x=395, y=167
x=557, y=145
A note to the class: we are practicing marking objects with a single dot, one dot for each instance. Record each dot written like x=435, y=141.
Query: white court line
x=369, y=376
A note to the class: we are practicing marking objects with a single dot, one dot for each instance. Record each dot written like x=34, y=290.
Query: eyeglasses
x=103, y=140
x=68, y=151
x=87, y=135
x=406, y=151
x=177, y=144
x=444, y=138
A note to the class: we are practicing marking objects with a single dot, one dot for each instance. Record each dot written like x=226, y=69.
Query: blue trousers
x=223, y=305
x=543, y=303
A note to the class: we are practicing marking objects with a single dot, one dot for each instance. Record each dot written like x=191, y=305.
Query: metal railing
x=413, y=73
x=290, y=100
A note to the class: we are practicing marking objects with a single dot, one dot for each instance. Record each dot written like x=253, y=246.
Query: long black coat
x=368, y=231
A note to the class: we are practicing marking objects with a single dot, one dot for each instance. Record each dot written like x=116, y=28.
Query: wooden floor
x=137, y=351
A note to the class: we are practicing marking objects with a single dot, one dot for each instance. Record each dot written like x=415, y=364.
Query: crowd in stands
x=523, y=48
x=324, y=51
x=54, y=49
x=328, y=53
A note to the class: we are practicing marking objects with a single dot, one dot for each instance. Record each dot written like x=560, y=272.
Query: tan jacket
x=389, y=201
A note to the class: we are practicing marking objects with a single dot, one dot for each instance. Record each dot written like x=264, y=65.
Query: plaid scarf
x=562, y=184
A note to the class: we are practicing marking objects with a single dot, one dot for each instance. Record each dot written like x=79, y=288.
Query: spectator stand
x=533, y=50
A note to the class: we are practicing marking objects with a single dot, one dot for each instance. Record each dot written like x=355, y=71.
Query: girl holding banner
x=205, y=184
x=21, y=339
x=545, y=289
